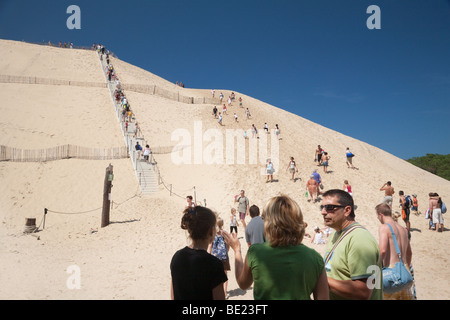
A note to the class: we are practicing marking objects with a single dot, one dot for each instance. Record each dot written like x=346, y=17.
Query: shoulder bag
x=398, y=277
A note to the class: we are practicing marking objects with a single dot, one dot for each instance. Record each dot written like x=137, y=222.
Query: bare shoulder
x=384, y=229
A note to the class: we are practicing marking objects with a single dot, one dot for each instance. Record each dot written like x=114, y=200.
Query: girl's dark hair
x=198, y=221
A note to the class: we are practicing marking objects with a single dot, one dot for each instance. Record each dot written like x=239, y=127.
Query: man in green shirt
x=352, y=257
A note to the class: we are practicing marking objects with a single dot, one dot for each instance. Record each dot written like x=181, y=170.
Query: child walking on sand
x=234, y=222
x=325, y=159
x=219, y=249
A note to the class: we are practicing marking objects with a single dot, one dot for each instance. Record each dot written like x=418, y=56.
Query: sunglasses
x=331, y=207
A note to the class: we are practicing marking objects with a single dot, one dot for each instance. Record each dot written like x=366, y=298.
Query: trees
x=437, y=164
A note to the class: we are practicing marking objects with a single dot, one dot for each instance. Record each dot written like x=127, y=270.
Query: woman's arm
x=321, y=291
x=244, y=276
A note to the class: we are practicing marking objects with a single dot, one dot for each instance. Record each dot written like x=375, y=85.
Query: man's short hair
x=344, y=199
x=254, y=211
x=384, y=209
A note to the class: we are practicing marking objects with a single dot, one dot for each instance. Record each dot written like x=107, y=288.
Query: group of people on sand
x=61, y=45
x=231, y=97
x=314, y=183
x=66, y=45
x=278, y=265
x=410, y=204
x=322, y=158
x=220, y=116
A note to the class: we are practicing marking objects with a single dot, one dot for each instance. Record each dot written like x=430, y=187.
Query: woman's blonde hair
x=283, y=222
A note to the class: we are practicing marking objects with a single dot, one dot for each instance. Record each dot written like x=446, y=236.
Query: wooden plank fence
x=62, y=152
x=48, y=81
x=140, y=88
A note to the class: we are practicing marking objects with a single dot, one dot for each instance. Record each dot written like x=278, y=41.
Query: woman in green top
x=282, y=268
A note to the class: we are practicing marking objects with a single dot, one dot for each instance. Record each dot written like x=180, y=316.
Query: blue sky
x=389, y=87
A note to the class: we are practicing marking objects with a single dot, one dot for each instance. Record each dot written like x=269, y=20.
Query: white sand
x=130, y=258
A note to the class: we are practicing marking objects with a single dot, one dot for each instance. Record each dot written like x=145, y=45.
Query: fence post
x=107, y=195
x=45, y=214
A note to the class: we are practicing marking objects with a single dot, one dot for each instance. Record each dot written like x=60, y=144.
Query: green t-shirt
x=356, y=257
x=284, y=273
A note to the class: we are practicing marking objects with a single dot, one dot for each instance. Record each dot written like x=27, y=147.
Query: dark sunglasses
x=331, y=207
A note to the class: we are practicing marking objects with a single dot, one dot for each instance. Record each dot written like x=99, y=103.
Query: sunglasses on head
x=331, y=207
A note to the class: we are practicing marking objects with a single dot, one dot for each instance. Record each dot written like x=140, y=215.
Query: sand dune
x=130, y=258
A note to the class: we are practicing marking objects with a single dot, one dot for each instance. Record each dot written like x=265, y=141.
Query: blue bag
x=397, y=278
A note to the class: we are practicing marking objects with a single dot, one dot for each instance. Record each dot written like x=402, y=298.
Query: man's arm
x=350, y=289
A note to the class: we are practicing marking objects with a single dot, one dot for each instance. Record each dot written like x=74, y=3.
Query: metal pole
x=45, y=213
x=195, y=196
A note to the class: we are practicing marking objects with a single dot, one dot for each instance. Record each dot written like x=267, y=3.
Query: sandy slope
x=130, y=258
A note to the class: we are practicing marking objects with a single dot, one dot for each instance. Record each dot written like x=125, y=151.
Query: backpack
x=219, y=248
x=408, y=202
x=443, y=207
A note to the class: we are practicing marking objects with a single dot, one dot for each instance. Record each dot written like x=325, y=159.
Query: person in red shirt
x=348, y=187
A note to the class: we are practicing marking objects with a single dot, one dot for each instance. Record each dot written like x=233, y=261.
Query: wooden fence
x=168, y=94
x=48, y=81
x=62, y=152
x=140, y=88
